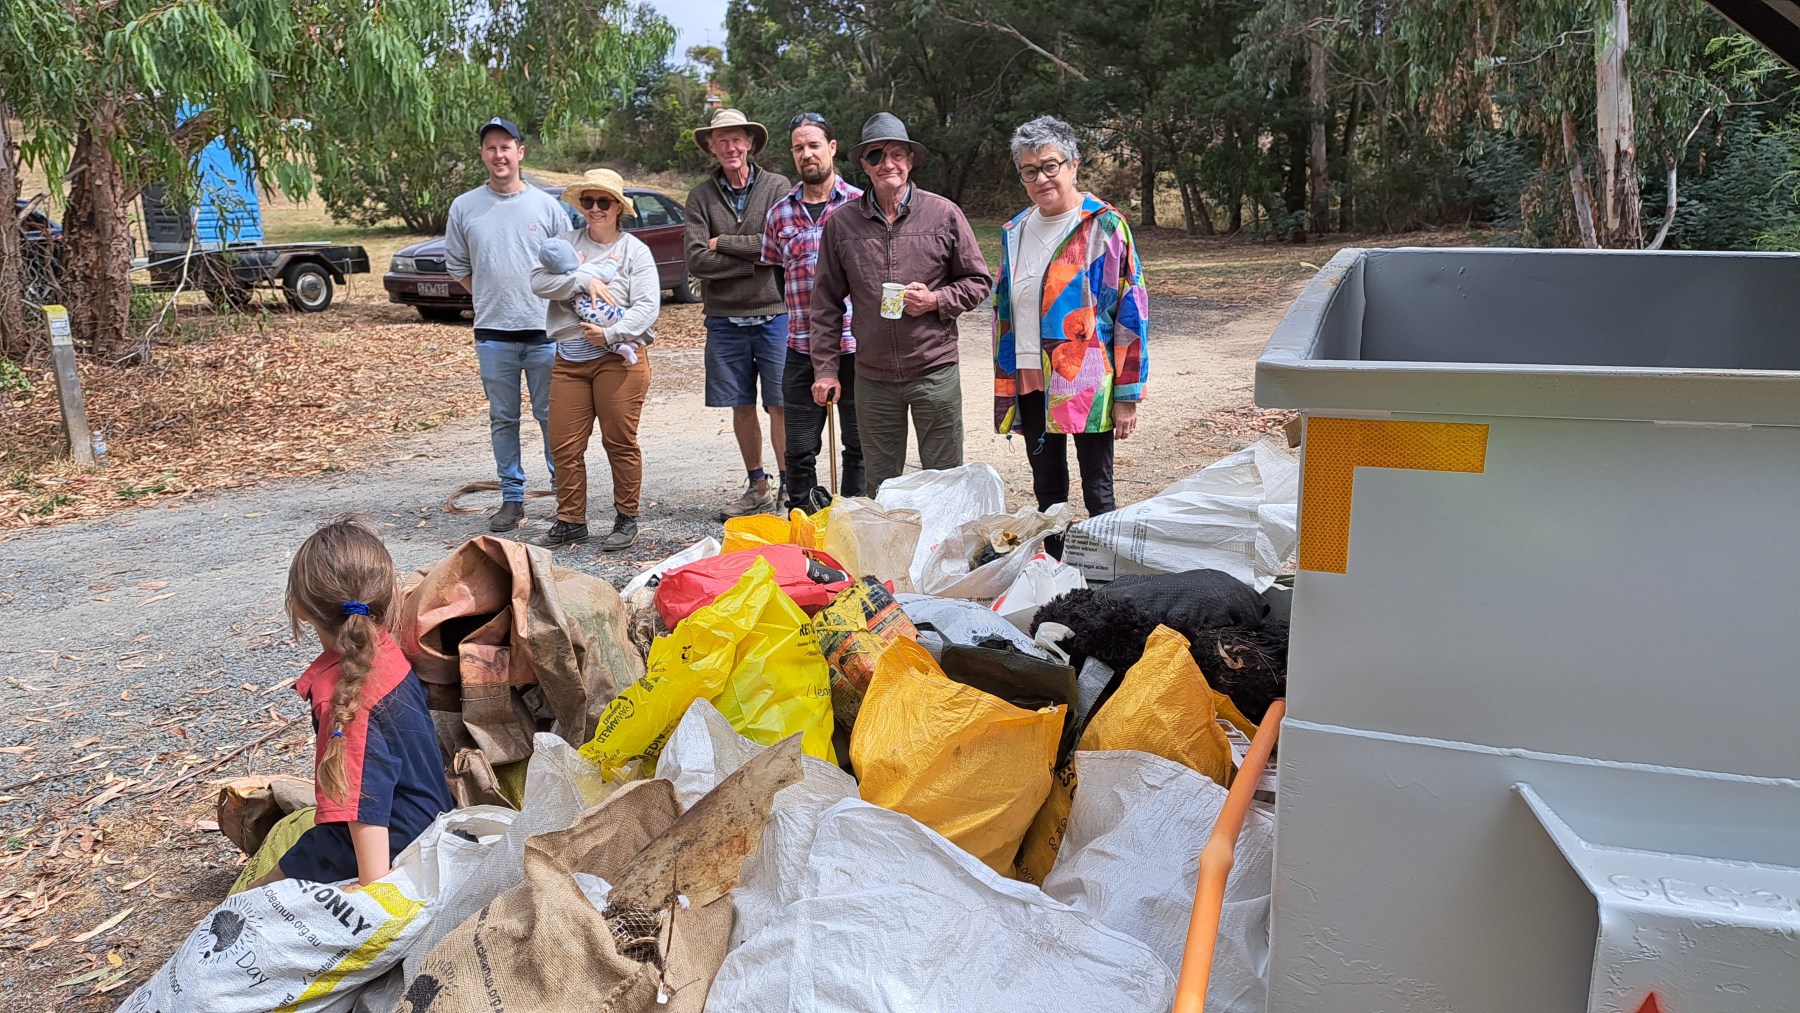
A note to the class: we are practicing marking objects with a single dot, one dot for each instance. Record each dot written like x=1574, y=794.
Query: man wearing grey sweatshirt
x=490, y=247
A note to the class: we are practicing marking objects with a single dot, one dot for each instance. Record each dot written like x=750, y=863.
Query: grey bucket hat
x=884, y=127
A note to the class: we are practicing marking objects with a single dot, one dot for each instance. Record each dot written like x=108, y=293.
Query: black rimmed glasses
x=1047, y=170
x=597, y=203
x=808, y=118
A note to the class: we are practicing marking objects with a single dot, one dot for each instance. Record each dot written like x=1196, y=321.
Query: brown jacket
x=733, y=282
x=929, y=241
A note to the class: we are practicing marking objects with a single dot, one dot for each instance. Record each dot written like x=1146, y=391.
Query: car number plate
x=439, y=289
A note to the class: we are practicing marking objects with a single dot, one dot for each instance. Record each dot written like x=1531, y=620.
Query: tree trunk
x=1203, y=211
x=1187, y=204
x=1347, y=203
x=1317, y=99
x=15, y=342
x=1293, y=196
x=1148, y=186
x=99, y=246
x=1620, y=225
x=1578, y=188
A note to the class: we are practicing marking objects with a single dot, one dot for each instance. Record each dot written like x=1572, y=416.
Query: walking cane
x=831, y=431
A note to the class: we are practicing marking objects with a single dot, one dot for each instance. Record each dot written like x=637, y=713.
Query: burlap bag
x=653, y=945
x=511, y=643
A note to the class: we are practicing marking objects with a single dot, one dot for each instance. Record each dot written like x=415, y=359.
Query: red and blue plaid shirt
x=791, y=239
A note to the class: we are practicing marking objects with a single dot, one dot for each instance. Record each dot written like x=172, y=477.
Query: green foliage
x=13, y=380
x=548, y=65
x=653, y=128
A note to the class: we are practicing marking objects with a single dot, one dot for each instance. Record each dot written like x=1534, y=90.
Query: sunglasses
x=599, y=203
x=807, y=118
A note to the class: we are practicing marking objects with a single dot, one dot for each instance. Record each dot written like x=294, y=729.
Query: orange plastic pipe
x=1215, y=865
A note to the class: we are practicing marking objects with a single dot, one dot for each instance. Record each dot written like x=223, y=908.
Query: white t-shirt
x=1035, y=241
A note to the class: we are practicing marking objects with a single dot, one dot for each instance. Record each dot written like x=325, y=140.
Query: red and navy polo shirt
x=392, y=766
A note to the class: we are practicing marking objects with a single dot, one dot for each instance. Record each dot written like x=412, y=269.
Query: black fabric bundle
x=1241, y=651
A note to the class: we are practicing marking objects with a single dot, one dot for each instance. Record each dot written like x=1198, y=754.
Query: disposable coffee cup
x=893, y=300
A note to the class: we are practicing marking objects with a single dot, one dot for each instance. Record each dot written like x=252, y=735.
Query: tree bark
x=1668, y=205
x=1293, y=197
x=1317, y=99
x=15, y=342
x=1187, y=204
x=1347, y=202
x=1620, y=204
x=1578, y=188
x=1148, y=186
x=99, y=246
x=1203, y=211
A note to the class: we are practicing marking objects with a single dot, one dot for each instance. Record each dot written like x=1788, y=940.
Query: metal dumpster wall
x=1606, y=609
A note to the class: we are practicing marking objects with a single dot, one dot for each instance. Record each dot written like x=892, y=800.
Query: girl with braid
x=380, y=780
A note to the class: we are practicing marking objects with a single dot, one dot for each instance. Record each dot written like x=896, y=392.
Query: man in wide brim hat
x=907, y=351
x=759, y=134
x=885, y=128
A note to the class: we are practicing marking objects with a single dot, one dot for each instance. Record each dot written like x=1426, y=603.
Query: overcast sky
x=700, y=22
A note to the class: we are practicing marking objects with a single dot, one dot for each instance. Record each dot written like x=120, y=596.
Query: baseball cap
x=507, y=125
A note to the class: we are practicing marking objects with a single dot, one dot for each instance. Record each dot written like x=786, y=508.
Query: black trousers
x=1048, y=454
x=806, y=430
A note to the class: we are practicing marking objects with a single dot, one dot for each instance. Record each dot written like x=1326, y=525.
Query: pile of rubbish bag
x=891, y=755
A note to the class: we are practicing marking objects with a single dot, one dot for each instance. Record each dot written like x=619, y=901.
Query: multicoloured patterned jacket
x=1095, y=321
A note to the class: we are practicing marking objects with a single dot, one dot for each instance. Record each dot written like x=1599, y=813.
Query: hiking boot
x=507, y=517
x=564, y=533
x=758, y=497
x=624, y=532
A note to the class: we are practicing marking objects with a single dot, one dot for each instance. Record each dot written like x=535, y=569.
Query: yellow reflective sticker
x=1335, y=448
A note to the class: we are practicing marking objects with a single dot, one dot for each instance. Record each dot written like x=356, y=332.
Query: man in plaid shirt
x=791, y=241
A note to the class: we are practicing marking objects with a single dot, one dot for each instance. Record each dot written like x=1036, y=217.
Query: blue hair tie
x=337, y=734
x=356, y=608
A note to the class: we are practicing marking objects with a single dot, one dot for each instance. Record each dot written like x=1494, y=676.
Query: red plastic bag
x=809, y=576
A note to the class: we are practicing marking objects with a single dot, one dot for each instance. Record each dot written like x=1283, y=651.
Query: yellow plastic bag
x=969, y=765
x=1162, y=706
x=755, y=530
x=752, y=652
x=808, y=532
x=286, y=832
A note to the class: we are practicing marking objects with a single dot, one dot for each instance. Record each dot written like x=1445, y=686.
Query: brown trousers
x=611, y=391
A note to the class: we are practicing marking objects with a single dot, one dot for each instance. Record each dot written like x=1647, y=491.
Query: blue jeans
x=501, y=364
x=737, y=356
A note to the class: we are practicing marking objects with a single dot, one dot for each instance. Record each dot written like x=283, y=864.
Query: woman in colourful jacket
x=1070, y=322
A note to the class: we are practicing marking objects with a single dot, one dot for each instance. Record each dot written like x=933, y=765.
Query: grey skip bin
x=1541, y=749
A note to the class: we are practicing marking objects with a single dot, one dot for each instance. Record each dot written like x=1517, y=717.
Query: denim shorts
x=737, y=355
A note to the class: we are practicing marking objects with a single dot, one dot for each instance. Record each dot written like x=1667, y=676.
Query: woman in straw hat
x=604, y=299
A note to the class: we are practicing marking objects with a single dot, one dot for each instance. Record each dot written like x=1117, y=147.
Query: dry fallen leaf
x=157, y=598
x=17, y=750
x=104, y=926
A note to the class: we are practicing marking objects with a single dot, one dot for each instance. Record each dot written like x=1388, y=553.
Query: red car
x=417, y=276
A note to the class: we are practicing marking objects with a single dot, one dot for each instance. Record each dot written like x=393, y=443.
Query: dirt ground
x=144, y=656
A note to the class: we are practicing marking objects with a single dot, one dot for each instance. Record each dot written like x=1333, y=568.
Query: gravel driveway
x=153, y=641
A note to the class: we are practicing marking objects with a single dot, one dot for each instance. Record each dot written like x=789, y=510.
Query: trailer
x=215, y=244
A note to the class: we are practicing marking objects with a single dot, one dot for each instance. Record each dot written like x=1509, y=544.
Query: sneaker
x=564, y=533
x=508, y=517
x=758, y=497
x=624, y=532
